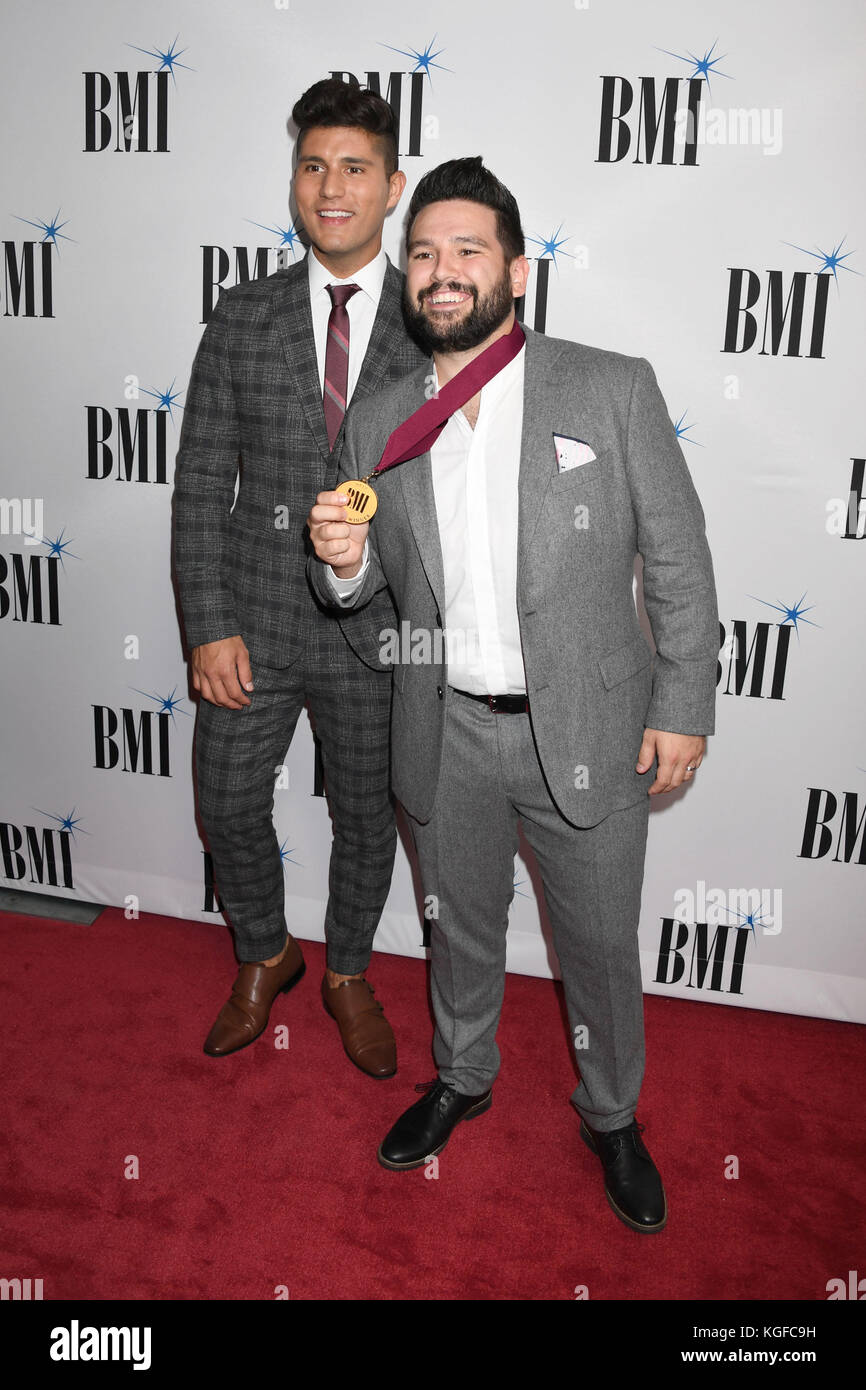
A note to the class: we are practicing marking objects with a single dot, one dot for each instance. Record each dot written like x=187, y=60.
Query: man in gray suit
x=511, y=543
x=276, y=365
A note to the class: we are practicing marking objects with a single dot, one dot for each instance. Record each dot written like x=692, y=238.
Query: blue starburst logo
x=286, y=236
x=681, y=430
x=286, y=856
x=71, y=823
x=424, y=59
x=750, y=920
x=168, y=59
x=167, y=703
x=701, y=67
x=552, y=246
x=792, y=615
x=59, y=548
x=829, y=260
x=518, y=882
x=167, y=399
x=50, y=230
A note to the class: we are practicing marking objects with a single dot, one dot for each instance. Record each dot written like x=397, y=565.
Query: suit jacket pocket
x=618, y=665
x=582, y=473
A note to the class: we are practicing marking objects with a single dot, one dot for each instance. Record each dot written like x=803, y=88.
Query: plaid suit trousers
x=236, y=752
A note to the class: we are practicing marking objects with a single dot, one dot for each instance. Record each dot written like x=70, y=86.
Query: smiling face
x=459, y=286
x=344, y=193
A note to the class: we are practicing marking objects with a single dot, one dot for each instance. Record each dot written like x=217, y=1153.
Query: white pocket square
x=571, y=453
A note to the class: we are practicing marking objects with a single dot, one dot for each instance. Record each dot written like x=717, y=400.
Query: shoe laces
x=632, y=1137
x=615, y=1140
x=437, y=1090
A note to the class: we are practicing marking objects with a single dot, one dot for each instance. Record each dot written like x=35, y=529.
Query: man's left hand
x=679, y=757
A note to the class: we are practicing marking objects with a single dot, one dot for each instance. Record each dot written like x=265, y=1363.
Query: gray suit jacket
x=592, y=682
x=254, y=400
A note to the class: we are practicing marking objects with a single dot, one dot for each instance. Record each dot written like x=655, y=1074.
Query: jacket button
x=439, y=691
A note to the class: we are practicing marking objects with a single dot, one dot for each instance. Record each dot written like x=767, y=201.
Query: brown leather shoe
x=366, y=1032
x=245, y=1015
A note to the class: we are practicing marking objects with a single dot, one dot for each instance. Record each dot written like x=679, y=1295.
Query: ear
x=519, y=271
x=396, y=184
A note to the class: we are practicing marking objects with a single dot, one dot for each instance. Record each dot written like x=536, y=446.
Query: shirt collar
x=370, y=278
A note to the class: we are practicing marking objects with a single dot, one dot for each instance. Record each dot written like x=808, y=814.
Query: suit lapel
x=416, y=480
x=536, y=442
x=416, y=483
x=388, y=331
x=299, y=346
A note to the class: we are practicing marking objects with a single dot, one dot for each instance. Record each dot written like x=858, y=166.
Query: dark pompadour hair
x=333, y=102
x=468, y=179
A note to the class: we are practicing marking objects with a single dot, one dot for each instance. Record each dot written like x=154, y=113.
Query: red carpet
x=259, y=1170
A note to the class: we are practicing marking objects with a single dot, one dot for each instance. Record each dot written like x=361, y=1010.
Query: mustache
x=454, y=285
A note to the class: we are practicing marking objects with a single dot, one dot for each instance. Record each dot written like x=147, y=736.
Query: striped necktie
x=337, y=359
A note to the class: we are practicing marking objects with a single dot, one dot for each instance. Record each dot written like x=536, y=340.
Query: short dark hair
x=468, y=179
x=333, y=102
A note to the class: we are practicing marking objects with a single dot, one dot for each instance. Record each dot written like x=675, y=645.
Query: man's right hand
x=335, y=541
x=221, y=672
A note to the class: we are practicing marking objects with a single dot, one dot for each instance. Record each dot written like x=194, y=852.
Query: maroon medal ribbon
x=424, y=426
x=417, y=434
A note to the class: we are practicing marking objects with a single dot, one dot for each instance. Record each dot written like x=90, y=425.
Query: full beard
x=486, y=315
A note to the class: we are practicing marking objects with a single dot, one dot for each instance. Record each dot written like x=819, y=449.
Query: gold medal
x=362, y=501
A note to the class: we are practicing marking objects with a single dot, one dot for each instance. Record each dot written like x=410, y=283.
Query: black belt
x=499, y=704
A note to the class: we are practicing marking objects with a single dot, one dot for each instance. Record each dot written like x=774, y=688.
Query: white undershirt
x=361, y=309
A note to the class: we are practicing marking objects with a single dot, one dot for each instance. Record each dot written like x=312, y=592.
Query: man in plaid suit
x=278, y=361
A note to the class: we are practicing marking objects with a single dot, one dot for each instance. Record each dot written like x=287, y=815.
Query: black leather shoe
x=424, y=1129
x=631, y=1179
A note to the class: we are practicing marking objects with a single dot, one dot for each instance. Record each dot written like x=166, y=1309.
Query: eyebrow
x=341, y=159
x=470, y=240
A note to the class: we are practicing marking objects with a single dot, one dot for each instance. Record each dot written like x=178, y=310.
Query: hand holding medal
x=335, y=543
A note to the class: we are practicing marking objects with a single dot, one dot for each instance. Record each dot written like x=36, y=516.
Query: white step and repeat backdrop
x=690, y=180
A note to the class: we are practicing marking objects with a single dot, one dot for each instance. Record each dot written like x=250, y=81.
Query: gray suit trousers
x=592, y=879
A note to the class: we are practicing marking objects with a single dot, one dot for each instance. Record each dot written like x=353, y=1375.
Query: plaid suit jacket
x=254, y=414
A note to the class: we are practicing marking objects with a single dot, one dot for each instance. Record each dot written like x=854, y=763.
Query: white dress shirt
x=361, y=309
x=475, y=476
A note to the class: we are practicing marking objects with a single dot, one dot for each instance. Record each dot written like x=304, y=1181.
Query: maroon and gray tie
x=337, y=359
